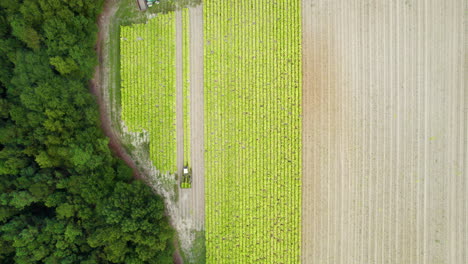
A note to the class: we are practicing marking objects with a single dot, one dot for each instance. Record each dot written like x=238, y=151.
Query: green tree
x=64, y=198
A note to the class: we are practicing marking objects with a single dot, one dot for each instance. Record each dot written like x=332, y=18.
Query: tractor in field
x=186, y=181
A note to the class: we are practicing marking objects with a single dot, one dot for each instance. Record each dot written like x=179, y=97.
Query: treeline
x=63, y=197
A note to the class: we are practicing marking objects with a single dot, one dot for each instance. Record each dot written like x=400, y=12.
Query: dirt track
x=384, y=132
x=197, y=116
x=97, y=89
x=191, y=204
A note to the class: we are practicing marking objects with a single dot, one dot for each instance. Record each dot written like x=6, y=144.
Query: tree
x=63, y=197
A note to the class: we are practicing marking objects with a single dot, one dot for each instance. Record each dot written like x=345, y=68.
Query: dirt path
x=142, y=5
x=197, y=115
x=192, y=201
x=190, y=205
x=97, y=89
x=384, y=132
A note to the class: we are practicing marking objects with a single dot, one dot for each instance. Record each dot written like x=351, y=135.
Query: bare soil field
x=385, y=132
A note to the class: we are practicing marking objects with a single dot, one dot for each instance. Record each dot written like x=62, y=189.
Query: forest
x=64, y=197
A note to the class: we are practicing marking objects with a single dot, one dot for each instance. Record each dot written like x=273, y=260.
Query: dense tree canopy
x=63, y=197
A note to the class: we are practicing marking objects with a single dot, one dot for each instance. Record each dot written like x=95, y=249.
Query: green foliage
x=64, y=66
x=252, y=82
x=186, y=85
x=199, y=248
x=148, y=90
x=63, y=197
x=26, y=34
x=146, y=228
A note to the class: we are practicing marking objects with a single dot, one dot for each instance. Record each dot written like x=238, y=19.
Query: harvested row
x=252, y=131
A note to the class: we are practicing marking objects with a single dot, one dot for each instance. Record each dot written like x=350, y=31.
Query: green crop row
x=148, y=85
x=252, y=75
x=186, y=87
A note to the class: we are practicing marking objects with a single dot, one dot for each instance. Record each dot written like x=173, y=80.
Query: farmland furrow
x=384, y=132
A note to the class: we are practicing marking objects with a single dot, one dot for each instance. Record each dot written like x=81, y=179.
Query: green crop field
x=252, y=130
x=186, y=93
x=148, y=86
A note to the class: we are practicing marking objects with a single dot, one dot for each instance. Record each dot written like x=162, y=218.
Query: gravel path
x=384, y=132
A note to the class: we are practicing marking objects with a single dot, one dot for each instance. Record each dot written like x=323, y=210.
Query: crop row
x=252, y=130
x=148, y=86
x=186, y=85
